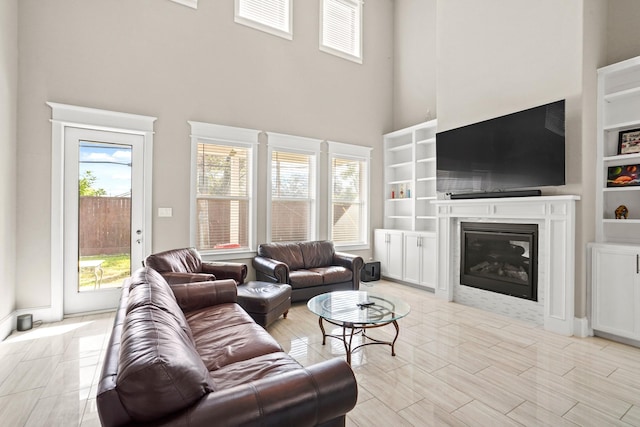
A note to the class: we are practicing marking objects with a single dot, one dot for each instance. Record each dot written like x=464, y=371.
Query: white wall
x=8, y=143
x=414, y=62
x=161, y=59
x=623, y=30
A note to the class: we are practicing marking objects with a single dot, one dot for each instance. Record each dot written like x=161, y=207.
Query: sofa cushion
x=225, y=334
x=333, y=274
x=263, y=366
x=317, y=254
x=289, y=253
x=160, y=371
x=148, y=287
x=304, y=279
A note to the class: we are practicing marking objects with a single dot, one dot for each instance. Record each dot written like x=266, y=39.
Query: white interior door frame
x=64, y=116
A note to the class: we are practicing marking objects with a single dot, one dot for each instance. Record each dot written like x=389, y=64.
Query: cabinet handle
x=637, y=264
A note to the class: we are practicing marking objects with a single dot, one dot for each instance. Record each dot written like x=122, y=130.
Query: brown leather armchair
x=185, y=266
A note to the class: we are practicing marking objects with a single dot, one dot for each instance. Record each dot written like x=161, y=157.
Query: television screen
x=521, y=150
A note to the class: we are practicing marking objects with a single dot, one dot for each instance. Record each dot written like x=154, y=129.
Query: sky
x=109, y=163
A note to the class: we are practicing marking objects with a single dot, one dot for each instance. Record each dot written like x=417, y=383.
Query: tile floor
x=455, y=365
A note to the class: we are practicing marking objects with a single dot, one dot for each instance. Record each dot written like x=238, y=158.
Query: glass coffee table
x=357, y=311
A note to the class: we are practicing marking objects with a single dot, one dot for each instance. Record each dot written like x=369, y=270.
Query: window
x=190, y=3
x=271, y=16
x=223, y=189
x=292, y=169
x=341, y=28
x=349, y=191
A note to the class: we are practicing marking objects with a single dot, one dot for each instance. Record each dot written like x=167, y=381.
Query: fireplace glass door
x=500, y=258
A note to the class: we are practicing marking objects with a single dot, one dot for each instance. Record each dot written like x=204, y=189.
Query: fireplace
x=500, y=257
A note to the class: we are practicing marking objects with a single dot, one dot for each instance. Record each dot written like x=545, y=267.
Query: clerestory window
x=341, y=28
x=271, y=16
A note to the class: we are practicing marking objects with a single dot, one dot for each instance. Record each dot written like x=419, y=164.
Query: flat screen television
x=519, y=151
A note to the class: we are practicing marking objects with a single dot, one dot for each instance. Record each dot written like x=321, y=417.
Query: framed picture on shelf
x=629, y=141
x=623, y=176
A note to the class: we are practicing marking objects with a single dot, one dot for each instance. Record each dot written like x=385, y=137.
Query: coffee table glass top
x=358, y=307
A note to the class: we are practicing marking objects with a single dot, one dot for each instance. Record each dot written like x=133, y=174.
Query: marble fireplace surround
x=555, y=216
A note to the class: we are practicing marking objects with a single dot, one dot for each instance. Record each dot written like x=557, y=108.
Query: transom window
x=271, y=16
x=341, y=28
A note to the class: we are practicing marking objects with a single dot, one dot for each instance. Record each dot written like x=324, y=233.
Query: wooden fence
x=104, y=225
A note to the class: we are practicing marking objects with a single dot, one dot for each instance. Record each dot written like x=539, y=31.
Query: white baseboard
x=581, y=327
x=7, y=325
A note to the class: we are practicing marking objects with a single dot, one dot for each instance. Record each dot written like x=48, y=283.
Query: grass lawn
x=115, y=268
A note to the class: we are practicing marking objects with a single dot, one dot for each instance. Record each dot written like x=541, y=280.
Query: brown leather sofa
x=185, y=265
x=188, y=355
x=311, y=268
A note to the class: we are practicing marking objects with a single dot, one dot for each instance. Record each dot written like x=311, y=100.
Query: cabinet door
x=394, y=246
x=380, y=250
x=615, y=291
x=428, y=271
x=412, y=258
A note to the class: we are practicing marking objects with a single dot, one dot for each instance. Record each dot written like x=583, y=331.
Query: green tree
x=85, y=185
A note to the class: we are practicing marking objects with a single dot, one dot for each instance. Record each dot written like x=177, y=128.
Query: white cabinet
x=388, y=250
x=615, y=295
x=410, y=177
x=419, y=265
x=406, y=256
x=618, y=173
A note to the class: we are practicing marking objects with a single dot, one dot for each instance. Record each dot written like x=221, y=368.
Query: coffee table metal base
x=358, y=328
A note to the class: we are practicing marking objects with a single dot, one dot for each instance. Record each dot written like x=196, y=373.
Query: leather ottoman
x=265, y=301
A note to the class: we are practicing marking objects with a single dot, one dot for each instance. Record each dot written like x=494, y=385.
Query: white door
x=395, y=243
x=616, y=292
x=103, y=216
x=412, y=258
x=428, y=274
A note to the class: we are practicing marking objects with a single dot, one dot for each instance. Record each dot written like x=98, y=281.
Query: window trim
x=299, y=145
x=354, y=152
x=257, y=25
x=337, y=52
x=232, y=136
x=189, y=3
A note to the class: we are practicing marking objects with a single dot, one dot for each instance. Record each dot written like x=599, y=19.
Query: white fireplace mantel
x=555, y=214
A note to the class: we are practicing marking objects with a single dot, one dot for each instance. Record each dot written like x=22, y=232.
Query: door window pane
x=104, y=215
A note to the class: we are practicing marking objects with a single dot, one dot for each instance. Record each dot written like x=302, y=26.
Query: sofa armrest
x=353, y=263
x=303, y=397
x=174, y=278
x=276, y=270
x=193, y=296
x=226, y=270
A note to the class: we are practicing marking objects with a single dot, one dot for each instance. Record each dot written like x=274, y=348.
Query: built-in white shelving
x=615, y=256
x=410, y=177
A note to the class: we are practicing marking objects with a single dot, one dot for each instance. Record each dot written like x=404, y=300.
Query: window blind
x=222, y=197
x=348, y=200
x=341, y=26
x=292, y=195
x=274, y=14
